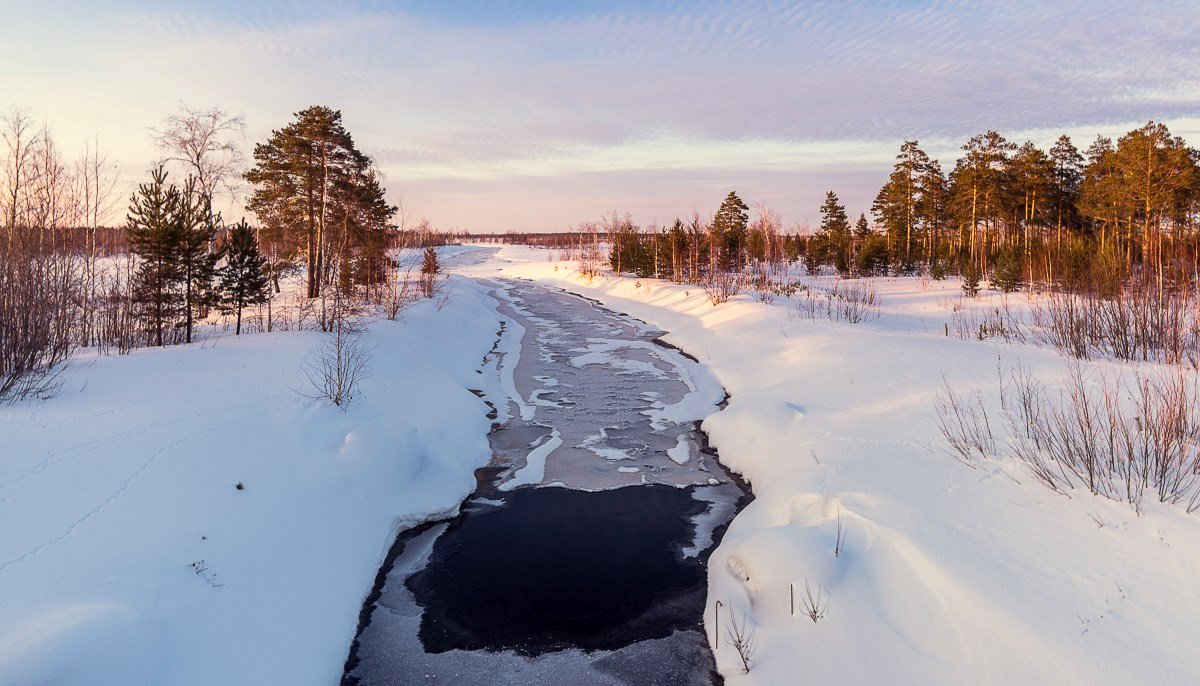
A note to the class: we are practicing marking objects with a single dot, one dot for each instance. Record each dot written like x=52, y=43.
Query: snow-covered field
x=128, y=554
x=948, y=574
x=110, y=492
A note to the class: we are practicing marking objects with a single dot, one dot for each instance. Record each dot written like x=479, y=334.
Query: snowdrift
x=186, y=516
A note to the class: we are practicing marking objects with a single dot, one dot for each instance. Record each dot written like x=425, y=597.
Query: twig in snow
x=741, y=640
x=816, y=604
x=840, y=541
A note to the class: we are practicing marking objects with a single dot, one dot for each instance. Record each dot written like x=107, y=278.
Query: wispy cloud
x=516, y=95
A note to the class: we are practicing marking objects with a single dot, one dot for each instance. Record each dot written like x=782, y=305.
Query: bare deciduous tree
x=96, y=181
x=39, y=278
x=208, y=143
x=19, y=133
x=590, y=258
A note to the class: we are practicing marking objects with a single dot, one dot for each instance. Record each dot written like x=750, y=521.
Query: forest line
x=1118, y=221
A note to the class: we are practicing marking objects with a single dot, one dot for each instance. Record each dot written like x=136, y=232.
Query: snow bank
x=129, y=555
x=948, y=574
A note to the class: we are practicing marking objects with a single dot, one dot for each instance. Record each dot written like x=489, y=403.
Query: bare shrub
x=41, y=280
x=721, y=285
x=857, y=301
x=339, y=365
x=963, y=421
x=769, y=282
x=839, y=543
x=1135, y=323
x=116, y=320
x=200, y=567
x=38, y=291
x=993, y=321
x=305, y=309
x=1118, y=436
x=397, y=293
x=1115, y=436
x=1062, y=322
x=849, y=301
x=443, y=299
x=741, y=638
x=815, y=601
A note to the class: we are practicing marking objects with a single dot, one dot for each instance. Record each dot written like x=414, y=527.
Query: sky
x=536, y=116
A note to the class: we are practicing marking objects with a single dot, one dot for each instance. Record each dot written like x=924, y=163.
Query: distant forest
x=1017, y=216
x=1118, y=220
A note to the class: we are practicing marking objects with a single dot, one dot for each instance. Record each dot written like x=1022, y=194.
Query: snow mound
x=77, y=644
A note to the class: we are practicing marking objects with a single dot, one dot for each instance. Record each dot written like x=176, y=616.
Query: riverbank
x=581, y=556
x=187, y=516
x=947, y=574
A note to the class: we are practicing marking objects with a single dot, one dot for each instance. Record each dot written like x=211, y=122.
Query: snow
x=535, y=463
x=613, y=394
x=112, y=490
x=509, y=348
x=682, y=450
x=948, y=574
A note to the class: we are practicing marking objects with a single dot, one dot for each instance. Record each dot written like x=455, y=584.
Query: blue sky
x=537, y=115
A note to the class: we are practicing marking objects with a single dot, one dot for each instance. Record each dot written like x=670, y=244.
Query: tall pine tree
x=897, y=206
x=1031, y=179
x=835, y=233
x=318, y=197
x=729, y=231
x=1064, y=196
x=196, y=258
x=155, y=235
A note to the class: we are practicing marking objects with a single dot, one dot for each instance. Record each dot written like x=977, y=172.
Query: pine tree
x=429, y=272
x=429, y=261
x=1155, y=171
x=862, y=230
x=1031, y=179
x=1100, y=198
x=678, y=248
x=729, y=230
x=871, y=248
x=155, y=235
x=243, y=279
x=1068, y=174
x=835, y=231
x=931, y=207
x=970, y=278
x=897, y=206
x=978, y=185
x=197, y=261
x=1007, y=269
x=317, y=196
x=364, y=217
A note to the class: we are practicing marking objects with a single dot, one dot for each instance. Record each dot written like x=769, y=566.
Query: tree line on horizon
x=1015, y=215
x=1119, y=214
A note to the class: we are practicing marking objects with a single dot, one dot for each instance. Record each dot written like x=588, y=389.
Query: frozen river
x=581, y=556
